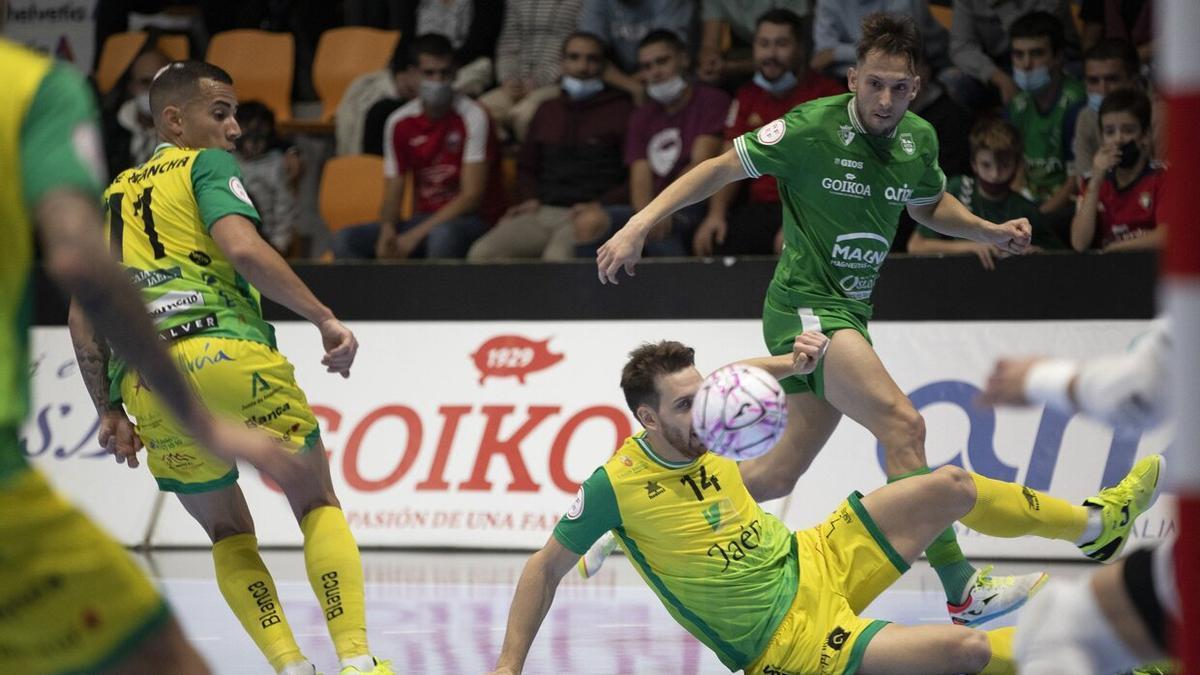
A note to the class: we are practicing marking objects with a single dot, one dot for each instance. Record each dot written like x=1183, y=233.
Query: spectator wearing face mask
x=445, y=140
x=570, y=162
x=782, y=81
x=1045, y=111
x=1110, y=65
x=1118, y=209
x=680, y=126
x=132, y=138
x=623, y=24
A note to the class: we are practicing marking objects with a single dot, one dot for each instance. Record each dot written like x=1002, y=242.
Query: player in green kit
x=764, y=599
x=846, y=167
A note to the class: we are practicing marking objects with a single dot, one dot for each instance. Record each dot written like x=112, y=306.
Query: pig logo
x=513, y=356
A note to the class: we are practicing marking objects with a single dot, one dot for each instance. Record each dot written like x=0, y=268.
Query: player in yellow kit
x=764, y=599
x=71, y=599
x=183, y=226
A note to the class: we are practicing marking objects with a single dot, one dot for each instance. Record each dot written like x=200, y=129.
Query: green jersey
x=1011, y=207
x=725, y=569
x=1047, y=141
x=842, y=191
x=49, y=140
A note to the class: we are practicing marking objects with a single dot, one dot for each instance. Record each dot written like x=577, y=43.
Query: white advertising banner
x=63, y=28
x=477, y=434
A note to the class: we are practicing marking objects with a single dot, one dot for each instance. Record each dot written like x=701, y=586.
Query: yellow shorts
x=241, y=379
x=845, y=563
x=71, y=600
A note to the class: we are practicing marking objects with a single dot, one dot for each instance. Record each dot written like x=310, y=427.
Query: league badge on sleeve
x=771, y=133
x=239, y=190
x=576, y=509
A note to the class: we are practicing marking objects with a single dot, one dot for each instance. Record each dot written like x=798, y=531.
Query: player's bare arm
x=263, y=267
x=950, y=217
x=116, y=433
x=807, y=351
x=535, y=592
x=625, y=247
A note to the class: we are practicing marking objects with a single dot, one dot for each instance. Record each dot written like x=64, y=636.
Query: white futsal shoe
x=590, y=563
x=992, y=597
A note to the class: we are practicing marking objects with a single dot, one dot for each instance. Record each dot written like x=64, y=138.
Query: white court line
x=421, y=631
x=622, y=625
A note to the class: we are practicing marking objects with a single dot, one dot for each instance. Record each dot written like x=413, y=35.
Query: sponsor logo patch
x=172, y=302
x=200, y=258
x=194, y=327
x=151, y=278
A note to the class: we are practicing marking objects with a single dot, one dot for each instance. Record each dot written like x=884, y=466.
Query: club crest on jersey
x=846, y=133
x=576, y=509
x=771, y=133
x=907, y=144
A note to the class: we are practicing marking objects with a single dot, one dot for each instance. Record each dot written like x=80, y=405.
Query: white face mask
x=578, y=89
x=143, y=103
x=780, y=86
x=1031, y=80
x=667, y=92
x=436, y=94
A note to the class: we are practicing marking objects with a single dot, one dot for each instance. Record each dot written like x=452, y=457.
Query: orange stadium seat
x=342, y=55
x=176, y=47
x=262, y=65
x=118, y=52
x=351, y=190
x=943, y=14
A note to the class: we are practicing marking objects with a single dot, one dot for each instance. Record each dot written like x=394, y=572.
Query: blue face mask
x=578, y=89
x=1094, y=101
x=1031, y=80
x=779, y=87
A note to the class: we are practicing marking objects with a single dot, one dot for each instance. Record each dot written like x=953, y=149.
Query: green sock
x=945, y=556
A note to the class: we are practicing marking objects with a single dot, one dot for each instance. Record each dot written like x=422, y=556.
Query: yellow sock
x=335, y=572
x=250, y=593
x=1011, y=510
x=1002, y=661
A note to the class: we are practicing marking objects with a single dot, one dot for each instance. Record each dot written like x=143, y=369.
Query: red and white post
x=1179, y=61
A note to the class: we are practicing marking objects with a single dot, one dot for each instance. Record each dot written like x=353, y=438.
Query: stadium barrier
x=483, y=395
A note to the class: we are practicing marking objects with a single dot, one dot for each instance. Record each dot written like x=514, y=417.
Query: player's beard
x=684, y=441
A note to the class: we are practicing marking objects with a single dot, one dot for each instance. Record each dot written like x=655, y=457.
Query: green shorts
x=781, y=324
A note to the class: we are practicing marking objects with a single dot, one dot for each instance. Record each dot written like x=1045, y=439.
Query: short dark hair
x=781, y=16
x=255, y=111
x=646, y=364
x=1040, y=24
x=1116, y=49
x=583, y=35
x=892, y=34
x=1132, y=101
x=663, y=36
x=997, y=135
x=179, y=81
x=429, y=44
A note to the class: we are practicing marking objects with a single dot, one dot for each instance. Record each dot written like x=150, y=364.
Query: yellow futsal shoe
x=381, y=668
x=1121, y=504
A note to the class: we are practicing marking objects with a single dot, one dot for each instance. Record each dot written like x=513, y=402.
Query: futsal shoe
x=1121, y=505
x=590, y=563
x=992, y=597
x=381, y=668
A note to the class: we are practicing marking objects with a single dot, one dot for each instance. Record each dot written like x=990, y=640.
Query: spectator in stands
x=1118, y=209
x=1129, y=20
x=1110, y=65
x=368, y=101
x=680, y=126
x=265, y=174
x=571, y=159
x=131, y=138
x=527, y=60
x=739, y=19
x=782, y=81
x=1044, y=112
x=623, y=24
x=996, y=155
x=472, y=26
x=445, y=140
x=838, y=27
x=979, y=46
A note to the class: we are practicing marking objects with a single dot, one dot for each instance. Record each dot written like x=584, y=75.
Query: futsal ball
x=739, y=412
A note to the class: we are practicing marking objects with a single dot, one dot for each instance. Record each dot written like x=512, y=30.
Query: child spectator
x=1110, y=65
x=1118, y=209
x=1045, y=110
x=265, y=173
x=996, y=155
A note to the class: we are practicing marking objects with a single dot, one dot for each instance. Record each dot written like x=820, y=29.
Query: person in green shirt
x=846, y=167
x=1045, y=110
x=996, y=154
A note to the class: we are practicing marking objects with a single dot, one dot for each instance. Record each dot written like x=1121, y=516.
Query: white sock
x=1095, y=526
x=365, y=663
x=299, y=668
